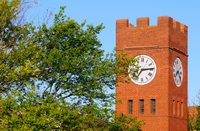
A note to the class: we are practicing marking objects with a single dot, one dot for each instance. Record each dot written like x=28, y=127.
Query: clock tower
x=159, y=94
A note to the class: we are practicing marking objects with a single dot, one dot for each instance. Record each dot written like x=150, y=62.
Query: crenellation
x=122, y=23
x=183, y=28
x=143, y=21
x=179, y=26
x=130, y=25
x=163, y=21
x=176, y=25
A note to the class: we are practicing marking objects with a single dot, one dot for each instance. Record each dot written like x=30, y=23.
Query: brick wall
x=163, y=43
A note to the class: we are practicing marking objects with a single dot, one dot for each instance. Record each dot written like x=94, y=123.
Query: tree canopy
x=194, y=114
x=58, y=77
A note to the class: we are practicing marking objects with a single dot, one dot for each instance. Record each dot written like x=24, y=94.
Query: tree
x=194, y=119
x=197, y=124
x=14, y=35
x=66, y=63
x=194, y=116
x=191, y=120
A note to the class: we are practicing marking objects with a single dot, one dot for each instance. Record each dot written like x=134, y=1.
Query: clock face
x=146, y=71
x=178, y=71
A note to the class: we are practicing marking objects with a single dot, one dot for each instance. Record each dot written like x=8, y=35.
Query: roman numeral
x=141, y=79
x=176, y=80
x=150, y=74
x=146, y=78
x=150, y=64
x=177, y=62
x=142, y=59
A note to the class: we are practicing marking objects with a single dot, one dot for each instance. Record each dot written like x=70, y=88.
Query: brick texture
x=163, y=43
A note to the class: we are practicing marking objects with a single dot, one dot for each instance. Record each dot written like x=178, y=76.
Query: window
x=130, y=108
x=178, y=109
x=153, y=106
x=181, y=109
x=142, y=106
x=173, y=107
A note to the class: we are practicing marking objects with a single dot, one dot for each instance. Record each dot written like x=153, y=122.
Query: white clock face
x=146, y=72
x=178, y=71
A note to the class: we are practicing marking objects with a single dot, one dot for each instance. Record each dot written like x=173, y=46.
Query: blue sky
x=108, y=11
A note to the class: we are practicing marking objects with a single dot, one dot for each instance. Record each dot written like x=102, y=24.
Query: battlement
x=163, y=21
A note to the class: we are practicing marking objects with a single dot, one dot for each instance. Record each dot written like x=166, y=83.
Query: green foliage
x=25, y=114
x=197, y=123
x=15, y=45
x=194, y=120
x=191, y=121
x=66, y=63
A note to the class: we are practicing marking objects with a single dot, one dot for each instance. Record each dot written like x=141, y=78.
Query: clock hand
x=140, y=72
x=177, y=73
x=147, y=69
x=143, y=69
x=179, y=77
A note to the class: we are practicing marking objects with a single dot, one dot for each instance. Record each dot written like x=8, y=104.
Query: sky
x=108, y=11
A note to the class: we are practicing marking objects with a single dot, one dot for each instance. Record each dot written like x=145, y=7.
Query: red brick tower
x=159, y=95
